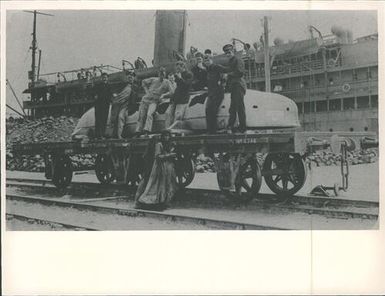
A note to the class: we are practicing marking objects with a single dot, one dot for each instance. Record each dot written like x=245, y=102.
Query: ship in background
x=70, y=92
x=333, y=79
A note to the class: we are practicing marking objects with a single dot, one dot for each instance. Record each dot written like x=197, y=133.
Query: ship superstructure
x=332, y=79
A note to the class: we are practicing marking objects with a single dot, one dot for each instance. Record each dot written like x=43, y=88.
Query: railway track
x=329, y=207
x=137, y=213
x=50, y=223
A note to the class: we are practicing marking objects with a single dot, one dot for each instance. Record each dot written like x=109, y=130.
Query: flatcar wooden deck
x=288, y=141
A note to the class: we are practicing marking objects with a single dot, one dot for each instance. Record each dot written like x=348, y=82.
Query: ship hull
x=263, y=110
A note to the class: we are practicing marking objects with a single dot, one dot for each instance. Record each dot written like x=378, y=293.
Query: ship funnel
x=170, y=32
x=343, y=36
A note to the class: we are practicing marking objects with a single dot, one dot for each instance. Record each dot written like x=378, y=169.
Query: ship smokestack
x=343, y=36
x=170, y=36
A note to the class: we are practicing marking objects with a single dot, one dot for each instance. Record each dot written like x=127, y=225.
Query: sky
x=76, y=39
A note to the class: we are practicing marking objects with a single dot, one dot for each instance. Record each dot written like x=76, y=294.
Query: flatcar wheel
x=104, y=169
x=249, y=178
x=284, y=173
x=185, y=171
x=62, y=171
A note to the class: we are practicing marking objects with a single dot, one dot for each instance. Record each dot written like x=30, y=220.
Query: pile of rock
x=204, y=164
x=25, y=163
x=46, y=129
x=83, y=161
x=327, y=158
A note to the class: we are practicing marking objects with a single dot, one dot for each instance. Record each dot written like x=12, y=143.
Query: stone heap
x=46, y=129
x=327, y=158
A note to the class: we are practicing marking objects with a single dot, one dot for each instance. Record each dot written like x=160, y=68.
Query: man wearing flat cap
x=128, y=105
x=237, y=87
x=215, y=92
x=120, y=101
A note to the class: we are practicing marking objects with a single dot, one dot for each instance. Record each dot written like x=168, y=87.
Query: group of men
x=176, y=87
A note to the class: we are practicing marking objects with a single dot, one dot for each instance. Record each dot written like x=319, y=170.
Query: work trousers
x=101, y=115
x=146, y=116
x=237, y=106
x=174, y=112
x=212, y=105
x=123, y=118
x=115, y=110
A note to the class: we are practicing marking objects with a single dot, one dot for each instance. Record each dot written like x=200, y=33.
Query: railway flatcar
x=283, y=168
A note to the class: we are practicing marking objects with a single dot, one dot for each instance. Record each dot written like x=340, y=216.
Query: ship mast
x=266, y=53
x=32, y=74
x=34, y=48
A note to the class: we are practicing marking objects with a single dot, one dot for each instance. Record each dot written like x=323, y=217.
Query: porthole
x=351, y=129
x=330, y=129
x=366, y=128
x=287, y=109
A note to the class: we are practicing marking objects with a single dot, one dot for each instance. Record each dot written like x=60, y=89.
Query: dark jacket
x=183, y=87
x=200, y=78
x=103, y=93
x=132, y=102
x=235, y=72
x=214, y=79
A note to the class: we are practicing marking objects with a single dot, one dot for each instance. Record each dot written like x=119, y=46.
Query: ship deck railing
x=259, y=76
x=71, y=75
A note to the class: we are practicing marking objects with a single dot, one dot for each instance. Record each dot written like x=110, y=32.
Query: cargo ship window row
x=350, y=103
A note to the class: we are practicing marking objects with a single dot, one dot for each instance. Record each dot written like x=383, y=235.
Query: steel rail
x=311, y=200
x=311, y=208
x=45, y=221
x=202, y=196
x=223, y=224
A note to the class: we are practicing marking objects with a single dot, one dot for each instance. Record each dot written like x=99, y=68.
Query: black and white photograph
x=170, y=119
x=192, y=147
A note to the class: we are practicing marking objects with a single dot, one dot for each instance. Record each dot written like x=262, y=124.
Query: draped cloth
x=161, y=186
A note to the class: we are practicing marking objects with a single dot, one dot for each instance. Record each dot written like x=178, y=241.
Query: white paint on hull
x=263, y=110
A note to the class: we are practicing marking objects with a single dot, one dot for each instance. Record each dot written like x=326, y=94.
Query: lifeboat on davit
x=263, y=111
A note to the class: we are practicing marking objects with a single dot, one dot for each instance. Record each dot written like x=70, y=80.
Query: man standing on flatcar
x=200, y=73
x=179, y=100
x=237, y=86
x=120, y=100
x=128, y=104
x=103, y=92
x=215, y=93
